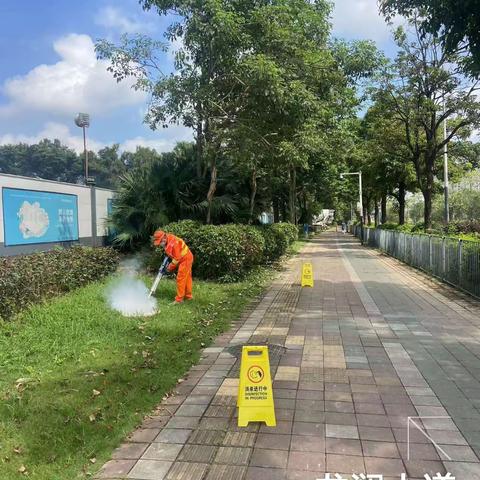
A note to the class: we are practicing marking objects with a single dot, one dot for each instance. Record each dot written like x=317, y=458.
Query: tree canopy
x=261, y=83
x=455, y=23
x=51, y=160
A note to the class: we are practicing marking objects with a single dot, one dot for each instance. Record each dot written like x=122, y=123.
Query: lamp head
x=82, y=120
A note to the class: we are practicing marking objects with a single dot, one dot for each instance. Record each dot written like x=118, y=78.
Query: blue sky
x=49, y=71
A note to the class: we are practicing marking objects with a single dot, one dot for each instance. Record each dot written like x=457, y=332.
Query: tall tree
x=425, y=77
x=211, y=39
x=389, y=157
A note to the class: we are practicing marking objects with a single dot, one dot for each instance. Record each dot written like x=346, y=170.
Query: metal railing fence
x=454, y=261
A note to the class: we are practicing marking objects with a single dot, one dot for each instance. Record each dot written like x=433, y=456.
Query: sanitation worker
x=182, y=258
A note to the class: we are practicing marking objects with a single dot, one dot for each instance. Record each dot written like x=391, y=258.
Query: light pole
x=445, y=167
x=82, y=120
x=359, y=188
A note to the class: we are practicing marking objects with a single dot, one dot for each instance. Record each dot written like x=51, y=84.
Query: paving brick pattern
x=371, y=344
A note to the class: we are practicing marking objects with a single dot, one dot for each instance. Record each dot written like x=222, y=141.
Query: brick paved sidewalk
x=371, y=344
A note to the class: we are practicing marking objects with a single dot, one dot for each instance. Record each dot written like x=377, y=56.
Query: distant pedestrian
x=344, y=228
x=305, y=230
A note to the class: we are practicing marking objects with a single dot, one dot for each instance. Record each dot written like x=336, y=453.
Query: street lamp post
x=445, y=168
x=82, y=120
x=359, y=188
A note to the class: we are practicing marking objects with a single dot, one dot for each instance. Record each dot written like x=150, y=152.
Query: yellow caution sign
x=307, y=275
x=255, y=394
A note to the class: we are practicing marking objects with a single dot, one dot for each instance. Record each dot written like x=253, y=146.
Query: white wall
x=82, y=193
x=102, y=196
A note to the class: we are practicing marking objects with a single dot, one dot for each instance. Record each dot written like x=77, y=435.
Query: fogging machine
x=161, y=272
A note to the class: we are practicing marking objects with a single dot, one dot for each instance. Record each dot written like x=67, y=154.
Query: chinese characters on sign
x=255, y=394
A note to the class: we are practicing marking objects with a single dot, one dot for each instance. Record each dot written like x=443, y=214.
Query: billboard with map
x=31, y=216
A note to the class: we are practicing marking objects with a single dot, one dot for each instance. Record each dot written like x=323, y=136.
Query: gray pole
x=86, y=155
x=361, y=196
x=445, y=167
x=93, y=212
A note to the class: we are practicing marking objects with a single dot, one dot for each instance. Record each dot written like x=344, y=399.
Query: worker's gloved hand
x=171, y=267
x=164, y=270
x=164, y=266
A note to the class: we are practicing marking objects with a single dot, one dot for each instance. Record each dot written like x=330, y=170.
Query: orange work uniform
x=182, y=258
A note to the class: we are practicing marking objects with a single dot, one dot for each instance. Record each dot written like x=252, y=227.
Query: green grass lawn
x=296, y=246
x=77, y=377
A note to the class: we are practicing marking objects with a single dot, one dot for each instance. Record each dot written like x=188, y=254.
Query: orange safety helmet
x=158, y=237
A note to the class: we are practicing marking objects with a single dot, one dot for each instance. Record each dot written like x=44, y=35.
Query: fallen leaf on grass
x=18, y=450
x=92, y=417
x=96, y=393
x=93, y=460
x=22, y=383
x=23, y=469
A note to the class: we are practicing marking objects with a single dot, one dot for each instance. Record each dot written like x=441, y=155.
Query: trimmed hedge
x=288, y=229
x=227, y=252
x=27, y=279
x=465, y=229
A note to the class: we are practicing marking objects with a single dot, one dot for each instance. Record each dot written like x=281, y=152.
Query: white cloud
x=170, y=137
x=359, y=19
x=159, y=145
x=78, y=82
x=113, y=18
x=53, y=130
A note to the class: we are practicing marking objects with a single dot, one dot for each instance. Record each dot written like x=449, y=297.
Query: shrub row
x=463, y=228
x=27, y=279
x=226, y=252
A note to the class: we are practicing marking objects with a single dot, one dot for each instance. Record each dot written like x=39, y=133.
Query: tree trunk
x=207, y=141
x=368, y=216
x=284, y=210
x=427, y=196
x=212, y=188
x=402, y=191
x=292, y=195
x=377, y=213
x=199, y=152
x=253, y=193
x=383, y=218
x=427, y=214
x=276, y=210
x=304, y=217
